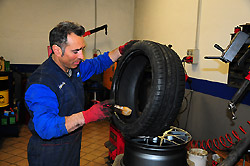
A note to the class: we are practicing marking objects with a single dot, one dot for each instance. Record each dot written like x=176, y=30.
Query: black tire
x=150, y=80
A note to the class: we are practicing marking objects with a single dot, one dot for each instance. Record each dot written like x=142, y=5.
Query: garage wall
x=25, y=25
x=175, y=22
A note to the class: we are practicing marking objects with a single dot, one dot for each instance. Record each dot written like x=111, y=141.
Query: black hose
x=236, y=154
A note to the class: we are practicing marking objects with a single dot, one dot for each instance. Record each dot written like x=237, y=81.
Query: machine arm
x=228, y=55
x=238, y=96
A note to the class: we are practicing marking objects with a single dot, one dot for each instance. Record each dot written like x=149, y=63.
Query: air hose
x=225, y=142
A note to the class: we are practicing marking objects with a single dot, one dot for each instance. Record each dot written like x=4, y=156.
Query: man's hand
x=98, y=111
x=126, y=46
x=118, y=52
x=74, y=121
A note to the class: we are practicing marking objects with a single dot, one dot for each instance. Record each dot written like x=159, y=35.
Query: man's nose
x=80, y=54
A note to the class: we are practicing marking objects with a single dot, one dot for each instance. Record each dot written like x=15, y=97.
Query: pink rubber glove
x=126, y=46
x=98, y=111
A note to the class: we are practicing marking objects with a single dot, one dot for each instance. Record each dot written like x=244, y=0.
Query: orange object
x=108, y=76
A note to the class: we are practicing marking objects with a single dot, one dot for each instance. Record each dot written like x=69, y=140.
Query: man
x=55, y=97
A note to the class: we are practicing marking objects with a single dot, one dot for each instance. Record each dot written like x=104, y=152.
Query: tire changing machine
x=116, y=144
x=233, y=54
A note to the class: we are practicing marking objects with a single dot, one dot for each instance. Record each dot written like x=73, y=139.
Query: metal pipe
x=197, y=35
x=95, y=24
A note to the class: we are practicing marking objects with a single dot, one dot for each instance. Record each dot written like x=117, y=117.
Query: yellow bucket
x=4, y=78
x=4, y=91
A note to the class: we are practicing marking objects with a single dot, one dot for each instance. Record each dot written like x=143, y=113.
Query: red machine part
x=116, y=143
x=187, y=59
x=237, y=29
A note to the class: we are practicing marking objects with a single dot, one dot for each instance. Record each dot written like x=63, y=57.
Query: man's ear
x=57, y=50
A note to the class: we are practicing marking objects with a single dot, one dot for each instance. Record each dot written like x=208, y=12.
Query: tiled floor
x=13, y=151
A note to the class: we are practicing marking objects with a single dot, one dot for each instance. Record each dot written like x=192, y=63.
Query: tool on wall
x=103, y=27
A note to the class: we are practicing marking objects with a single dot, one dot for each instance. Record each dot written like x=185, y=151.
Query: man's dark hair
x=58, y=35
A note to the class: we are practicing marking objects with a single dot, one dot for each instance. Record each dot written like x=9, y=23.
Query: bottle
x=12, y=118
x=4, y=118
x=2, y=66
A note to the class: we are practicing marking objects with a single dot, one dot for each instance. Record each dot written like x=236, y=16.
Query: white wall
x=174, y=22
x=25, y=25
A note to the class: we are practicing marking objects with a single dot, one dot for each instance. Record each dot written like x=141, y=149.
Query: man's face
x=73, y=54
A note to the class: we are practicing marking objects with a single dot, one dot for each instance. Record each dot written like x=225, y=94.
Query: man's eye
x=75, y=52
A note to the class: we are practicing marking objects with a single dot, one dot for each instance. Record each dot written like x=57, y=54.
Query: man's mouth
x=76, y=63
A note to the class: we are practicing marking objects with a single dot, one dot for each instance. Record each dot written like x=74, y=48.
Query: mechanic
x=55, y=97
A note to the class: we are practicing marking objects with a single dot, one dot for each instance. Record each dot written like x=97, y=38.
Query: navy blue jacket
x=51, y=94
